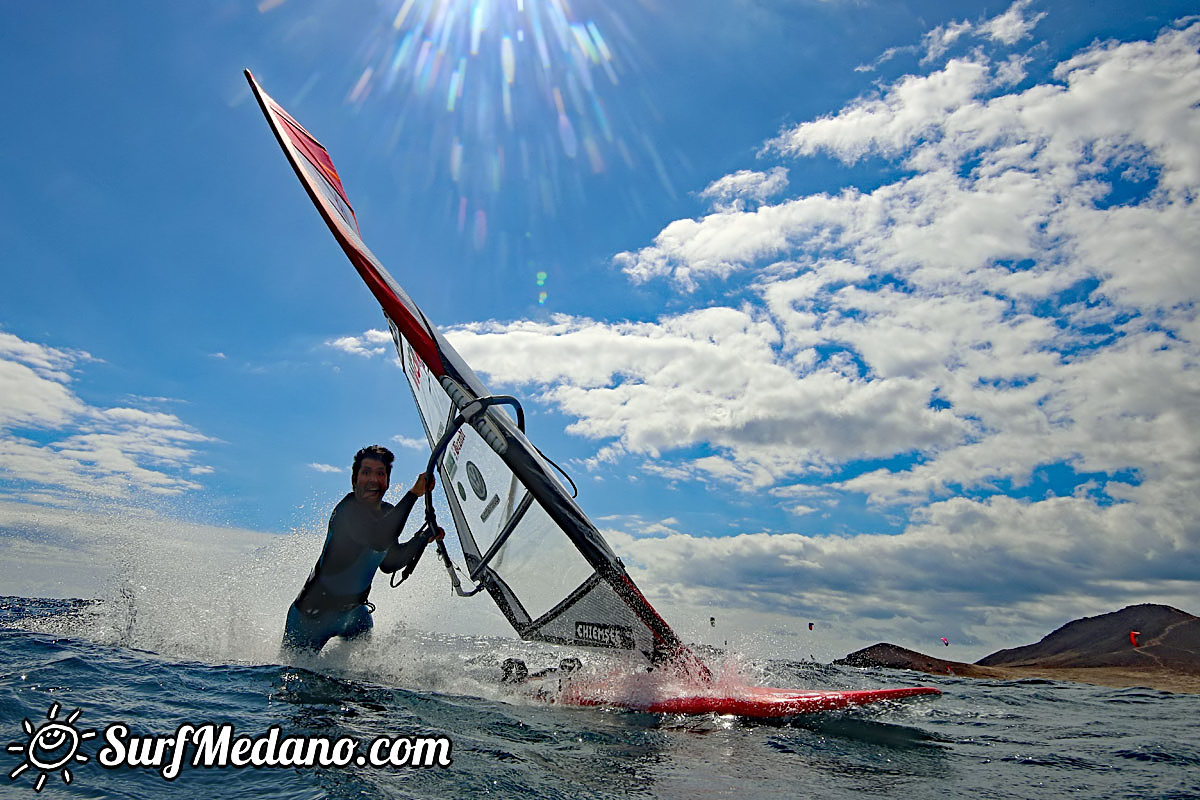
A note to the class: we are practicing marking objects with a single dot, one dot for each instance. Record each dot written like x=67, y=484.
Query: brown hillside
x=1169, y=639
x=1090, y=650
x=895, y=657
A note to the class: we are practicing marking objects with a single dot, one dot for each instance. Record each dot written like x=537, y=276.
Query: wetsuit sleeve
x=352, y=527
x=403, y=554
x=392, y=523
x=376, y=532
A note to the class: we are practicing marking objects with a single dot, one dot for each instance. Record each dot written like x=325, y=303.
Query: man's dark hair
x=377, y=452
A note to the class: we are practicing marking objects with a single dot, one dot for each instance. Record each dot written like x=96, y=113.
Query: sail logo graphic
x=597, y=634
x=478, y=484
x=414, y=361
x=52, y=747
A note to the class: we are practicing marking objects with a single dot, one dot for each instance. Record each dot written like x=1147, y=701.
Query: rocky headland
x=1097, y=650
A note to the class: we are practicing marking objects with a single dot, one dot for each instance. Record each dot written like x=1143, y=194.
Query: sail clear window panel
x=539, y=563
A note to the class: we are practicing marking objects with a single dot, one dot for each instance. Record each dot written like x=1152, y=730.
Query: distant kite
x=1133, y=638
x=945, y=641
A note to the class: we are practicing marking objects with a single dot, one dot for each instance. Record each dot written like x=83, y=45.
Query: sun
x=52, y=746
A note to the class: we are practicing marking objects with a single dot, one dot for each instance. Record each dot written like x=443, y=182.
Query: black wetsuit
x=360, y=540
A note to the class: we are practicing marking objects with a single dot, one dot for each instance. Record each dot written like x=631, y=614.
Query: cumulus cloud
x=1013, y=25
x=942, y=38
x=410, y=442
x=372, y=343
x=49, y=436
x=912, y=108
x=732, y=192
x=710, y=376
x=1008, y=28
x=999, y=346
x=987, y=573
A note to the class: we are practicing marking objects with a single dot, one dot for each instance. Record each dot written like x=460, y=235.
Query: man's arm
x=382, y=532
x=402, y=554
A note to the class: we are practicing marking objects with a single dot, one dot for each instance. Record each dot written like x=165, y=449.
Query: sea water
x=178, y=640
x=993, y=739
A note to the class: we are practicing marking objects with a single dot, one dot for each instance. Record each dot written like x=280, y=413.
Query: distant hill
x=895, y=657
x=1092, y=649
x=1169, y=638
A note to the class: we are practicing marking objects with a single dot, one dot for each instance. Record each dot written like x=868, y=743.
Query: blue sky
x=878, y=314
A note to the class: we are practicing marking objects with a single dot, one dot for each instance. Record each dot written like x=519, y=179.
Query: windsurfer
x=363, y=536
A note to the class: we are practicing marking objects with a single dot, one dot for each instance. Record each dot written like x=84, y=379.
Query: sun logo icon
x=52, y=746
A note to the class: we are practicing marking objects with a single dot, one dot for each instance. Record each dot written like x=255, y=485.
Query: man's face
x=371, y=484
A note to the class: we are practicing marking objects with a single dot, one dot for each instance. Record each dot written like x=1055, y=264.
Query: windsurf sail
x=524, y=539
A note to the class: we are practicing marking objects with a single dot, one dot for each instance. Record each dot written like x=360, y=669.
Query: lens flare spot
x=362, y=88
x=602, y=118
x=453, y=93
x=508, y=60
x=478, y=77
x=497, y=169
x=595, y=158
x=400, y=59
x=566, y=134
x=506, y=104
x=398, y=22
x=477, y=26
x=585, y=42
x=456, y=160
x=479, y=233
x=598, y=40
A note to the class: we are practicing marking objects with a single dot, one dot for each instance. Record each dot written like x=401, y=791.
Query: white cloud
x=941, y=38
x=724, y=243
x=1007, y=29
x=910, y=109
x=1020, y=301
x=1013, y=25
x=731, y=192
x=326, y=468
x=51, y=437
x=372, y=343
x=709, y=376
x=1042, y=562
x=33, y=382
